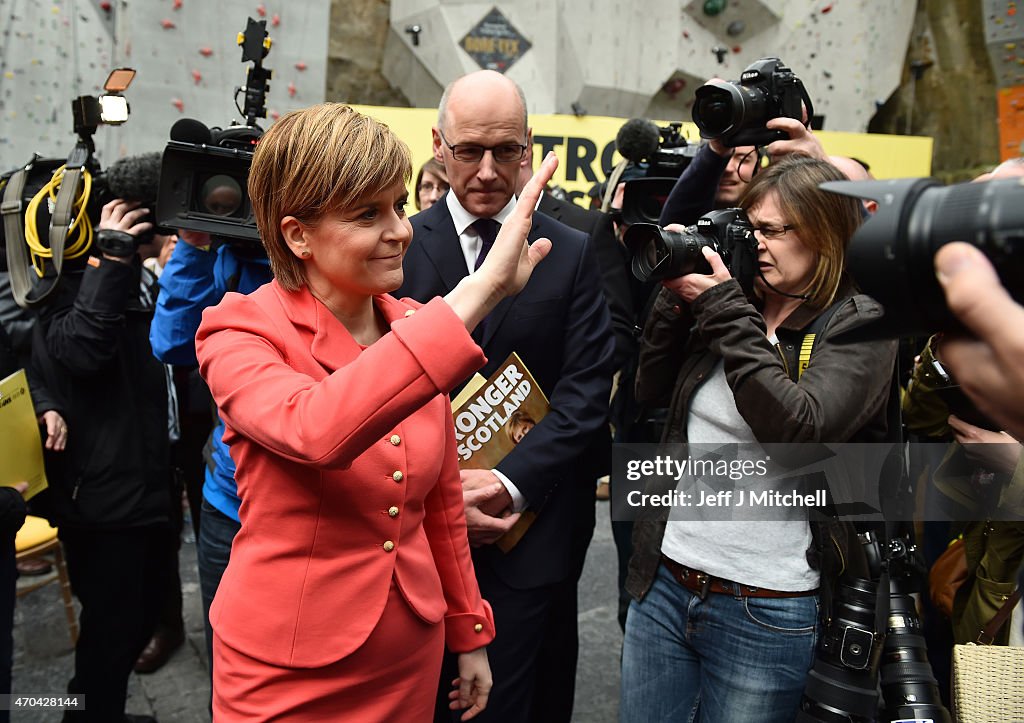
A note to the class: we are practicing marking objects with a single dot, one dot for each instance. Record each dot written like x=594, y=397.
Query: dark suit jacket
x=559, y=326
x=614, y=265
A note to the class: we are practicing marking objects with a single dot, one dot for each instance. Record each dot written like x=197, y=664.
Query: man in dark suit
x=559, y=326
x=611, y=259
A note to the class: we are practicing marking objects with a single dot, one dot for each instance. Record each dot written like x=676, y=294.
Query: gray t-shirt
x=760, y=553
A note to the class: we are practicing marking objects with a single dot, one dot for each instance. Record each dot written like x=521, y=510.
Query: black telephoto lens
x=909, y=688
x=891, y=255
x=842, y=686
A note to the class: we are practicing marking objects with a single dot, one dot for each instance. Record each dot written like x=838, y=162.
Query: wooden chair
x=37, y=540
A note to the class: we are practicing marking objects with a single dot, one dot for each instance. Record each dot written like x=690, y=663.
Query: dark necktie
x=487, y=229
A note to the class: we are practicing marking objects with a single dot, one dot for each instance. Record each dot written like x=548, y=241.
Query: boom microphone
x=637, y=140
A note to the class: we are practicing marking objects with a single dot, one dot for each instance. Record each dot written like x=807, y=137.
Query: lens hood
x=718, y=108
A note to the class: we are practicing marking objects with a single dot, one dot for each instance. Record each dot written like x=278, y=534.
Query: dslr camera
x=736, y=112
x=205, y=171
x=658, y=254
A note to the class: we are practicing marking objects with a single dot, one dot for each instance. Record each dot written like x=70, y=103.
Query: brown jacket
x=840, y=397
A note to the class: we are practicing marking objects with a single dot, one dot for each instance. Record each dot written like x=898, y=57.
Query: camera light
x=119, y=80
x=113, y=109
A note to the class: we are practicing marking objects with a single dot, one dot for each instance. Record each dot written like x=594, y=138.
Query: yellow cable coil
x=79, y=233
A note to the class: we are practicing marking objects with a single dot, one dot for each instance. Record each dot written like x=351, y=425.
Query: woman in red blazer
x=351, y=571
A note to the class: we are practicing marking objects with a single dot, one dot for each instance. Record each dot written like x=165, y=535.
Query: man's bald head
x=855, y=171
x=850, y=168
x=481, y=83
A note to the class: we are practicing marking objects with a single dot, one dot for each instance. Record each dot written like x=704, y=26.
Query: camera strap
x=14, y=229
x=613, y=182
x=795, y=367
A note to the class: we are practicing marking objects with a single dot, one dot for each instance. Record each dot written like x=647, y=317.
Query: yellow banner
x=586, y=145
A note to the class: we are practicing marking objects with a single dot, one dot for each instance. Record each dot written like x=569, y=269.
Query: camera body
x=673, y=155
x=204, y=176
x=665, y=160
x=736, y=112
x=203, y=187
x=658, y=254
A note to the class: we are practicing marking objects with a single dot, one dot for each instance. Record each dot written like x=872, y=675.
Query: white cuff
x=518, y=501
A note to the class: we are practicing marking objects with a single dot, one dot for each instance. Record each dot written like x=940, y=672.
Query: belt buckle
x=704, y=580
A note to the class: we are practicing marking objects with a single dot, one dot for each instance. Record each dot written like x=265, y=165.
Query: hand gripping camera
x=736, y=112
x=659, y=254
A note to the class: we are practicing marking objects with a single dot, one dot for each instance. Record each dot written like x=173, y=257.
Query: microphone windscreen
x=189, y=130
x=135, y=178
x=637, y=139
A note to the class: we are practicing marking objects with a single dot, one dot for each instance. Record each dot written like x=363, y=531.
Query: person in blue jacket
x=198, y=275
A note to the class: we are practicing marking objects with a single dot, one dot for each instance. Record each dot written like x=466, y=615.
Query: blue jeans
x=216, y=533
x=724, y=659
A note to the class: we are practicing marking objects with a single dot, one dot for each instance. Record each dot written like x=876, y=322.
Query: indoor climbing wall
x=186, y=55
x=623, y=58
x=1004, y=35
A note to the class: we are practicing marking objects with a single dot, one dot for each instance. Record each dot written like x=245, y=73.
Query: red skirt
x=392, y=677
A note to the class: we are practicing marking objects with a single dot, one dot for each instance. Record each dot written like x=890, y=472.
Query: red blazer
x=347, y=472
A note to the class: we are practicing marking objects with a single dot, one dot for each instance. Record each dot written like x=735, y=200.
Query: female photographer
x=724, y=622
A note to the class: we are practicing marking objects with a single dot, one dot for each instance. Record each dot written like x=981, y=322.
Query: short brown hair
x=316, y=161
x=825, y=221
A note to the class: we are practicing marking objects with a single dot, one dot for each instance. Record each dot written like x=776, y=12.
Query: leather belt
x=701, y=583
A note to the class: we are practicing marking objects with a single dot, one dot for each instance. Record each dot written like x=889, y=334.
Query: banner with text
x=585, y=145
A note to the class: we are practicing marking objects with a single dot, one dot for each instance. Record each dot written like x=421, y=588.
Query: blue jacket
x=193, y=280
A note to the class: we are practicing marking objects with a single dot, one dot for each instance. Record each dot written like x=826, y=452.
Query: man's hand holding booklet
x=491, y=417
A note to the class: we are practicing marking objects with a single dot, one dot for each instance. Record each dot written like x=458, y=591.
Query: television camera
x=205, y=171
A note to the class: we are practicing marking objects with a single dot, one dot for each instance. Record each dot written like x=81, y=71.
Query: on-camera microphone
x=189, y=130
x=637, y=140
x=135, y=178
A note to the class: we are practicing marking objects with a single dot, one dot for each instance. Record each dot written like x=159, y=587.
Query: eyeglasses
x=774, y=231
x=505, y=153
x=749, y=164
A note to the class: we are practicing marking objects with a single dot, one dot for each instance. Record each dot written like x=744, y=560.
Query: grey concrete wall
x=621, y=58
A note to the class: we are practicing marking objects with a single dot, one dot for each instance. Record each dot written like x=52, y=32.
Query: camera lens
x=842, y=684
x=659, y=254
x=650, y=252
x=220, y=195
x=908, y=684
x=715, y=110
x=890, y=256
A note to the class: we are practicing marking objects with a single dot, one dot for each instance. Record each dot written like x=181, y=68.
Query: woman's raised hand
x=510, y=262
